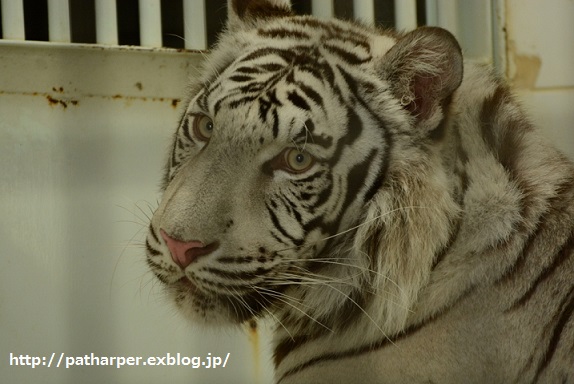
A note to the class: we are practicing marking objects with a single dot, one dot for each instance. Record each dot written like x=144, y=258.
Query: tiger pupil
x=300, y=158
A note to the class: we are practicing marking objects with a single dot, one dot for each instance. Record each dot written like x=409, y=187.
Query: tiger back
x=388, y=205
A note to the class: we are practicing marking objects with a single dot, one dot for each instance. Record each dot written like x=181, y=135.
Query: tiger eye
x=297, y=161
x=202, y=127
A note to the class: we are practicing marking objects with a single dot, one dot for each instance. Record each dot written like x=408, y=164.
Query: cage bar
x=364, y=10
x=447, y=16
x=323, y=9
x=194, y=26
x=13, y=19
x=405, y=14
x=59, y=21
x=106, y=22
x=150, y=23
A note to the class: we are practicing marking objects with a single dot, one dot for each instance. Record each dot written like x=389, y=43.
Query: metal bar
x=431, y=10
x=323, y=9
x=13, y=20
x=447, y=16
x=59, y=21
x=150, y=23
x=405, y=14
x=106, y=22
x=194, y=28
x=364, y=10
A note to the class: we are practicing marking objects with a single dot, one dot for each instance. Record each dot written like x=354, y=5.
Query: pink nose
x=184, y=253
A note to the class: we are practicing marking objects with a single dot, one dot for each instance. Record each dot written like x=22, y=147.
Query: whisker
x=355, y=227
x=293, y=306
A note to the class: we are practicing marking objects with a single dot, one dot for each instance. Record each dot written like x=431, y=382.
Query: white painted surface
x=323, y=9
x=540, y=62
x=364, y=10
x=13, y=19
x=194, y=28
x=405, y=14
x=150, y=23
x=59, y=21
x=106, y=22
x=544, y=31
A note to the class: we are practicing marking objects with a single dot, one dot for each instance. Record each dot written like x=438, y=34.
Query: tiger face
x=276, y=160
x=267, y=163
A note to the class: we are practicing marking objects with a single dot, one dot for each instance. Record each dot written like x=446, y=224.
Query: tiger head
x=301, y=146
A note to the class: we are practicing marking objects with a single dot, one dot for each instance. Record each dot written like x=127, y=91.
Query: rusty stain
x=139, y=86
x=64, y=103
x=254, y=341
x=58, y=89
x=527, y=69
x=53, y=101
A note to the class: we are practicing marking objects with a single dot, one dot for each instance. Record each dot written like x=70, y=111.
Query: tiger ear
x=423, y=69
x=242, y=13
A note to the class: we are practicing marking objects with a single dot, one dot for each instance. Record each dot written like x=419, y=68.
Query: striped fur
x=429, y=237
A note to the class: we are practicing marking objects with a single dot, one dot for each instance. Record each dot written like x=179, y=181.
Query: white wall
x=540, y=63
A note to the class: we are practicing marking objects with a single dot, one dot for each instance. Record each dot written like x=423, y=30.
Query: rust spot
x=254, y=341
x=527, y=71
x=526, y=68
x=58, y=89
x=64, y=103
x=139, y=86
x=175, y=102
x=53, y=101
x=117, y=96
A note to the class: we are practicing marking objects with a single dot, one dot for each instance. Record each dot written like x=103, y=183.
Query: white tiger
x=388, y=205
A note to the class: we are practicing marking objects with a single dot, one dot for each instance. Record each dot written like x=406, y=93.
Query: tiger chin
x=387, y=204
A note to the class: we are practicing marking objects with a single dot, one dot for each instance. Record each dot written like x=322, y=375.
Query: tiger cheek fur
x=388, y=205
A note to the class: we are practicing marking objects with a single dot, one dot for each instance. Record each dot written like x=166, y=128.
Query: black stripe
x=354, y=130
x=152, y=232
x=311, y=94
x=298, y=101
x=286, y=346
x=439, y=256
x=235, y=259
x=564, y=253
x=567, y=309
x=275, y=124
x=240, y=275
x=349, y=57
x=361, y=350
x=280, y=228
x=152, y=251
x=488, y=114
x=284, y=34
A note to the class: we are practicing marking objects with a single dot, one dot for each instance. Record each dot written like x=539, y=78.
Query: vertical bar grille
x=195, y=24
